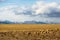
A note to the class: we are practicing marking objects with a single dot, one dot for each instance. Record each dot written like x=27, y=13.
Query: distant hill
x=33, y=22
x=6, y=22
x=26, y=22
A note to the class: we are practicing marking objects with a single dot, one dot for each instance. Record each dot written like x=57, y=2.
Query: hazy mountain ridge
x=25, y=22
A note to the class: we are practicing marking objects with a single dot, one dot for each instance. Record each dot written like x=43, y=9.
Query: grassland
x=29, y=31
x=7, y=27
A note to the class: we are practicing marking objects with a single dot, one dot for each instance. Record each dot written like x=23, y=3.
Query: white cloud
x=8, y=13
x=43, y=7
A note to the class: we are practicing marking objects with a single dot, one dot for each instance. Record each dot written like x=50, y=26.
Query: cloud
x=46, y=8
x=8, y=13
x=40, y=12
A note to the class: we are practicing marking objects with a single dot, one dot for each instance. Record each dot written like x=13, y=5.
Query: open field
x=7, y=27
x=29, y=31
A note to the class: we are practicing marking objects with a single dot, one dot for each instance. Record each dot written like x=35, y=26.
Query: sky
x=47, y=11
x=17, y=2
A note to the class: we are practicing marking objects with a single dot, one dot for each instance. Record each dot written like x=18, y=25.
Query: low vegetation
x=37, y=32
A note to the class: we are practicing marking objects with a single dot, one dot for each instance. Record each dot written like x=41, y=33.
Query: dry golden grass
x=4, y=27
x=29, y=31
